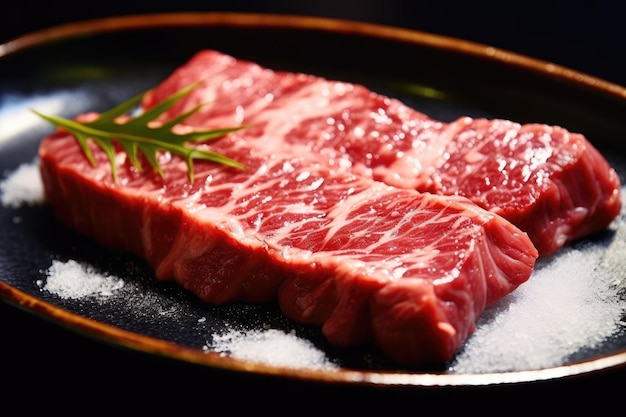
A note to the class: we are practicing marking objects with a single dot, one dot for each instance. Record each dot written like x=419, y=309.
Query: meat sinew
x=550, y=182
x=365, y=261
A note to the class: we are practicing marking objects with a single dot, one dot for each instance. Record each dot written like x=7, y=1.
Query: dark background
x=587, y=36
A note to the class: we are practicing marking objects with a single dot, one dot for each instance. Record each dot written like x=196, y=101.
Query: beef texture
x=550, y=182
x=366, y=262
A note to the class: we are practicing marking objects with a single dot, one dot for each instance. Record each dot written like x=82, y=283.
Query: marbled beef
x=550, y=182
x=367, y=262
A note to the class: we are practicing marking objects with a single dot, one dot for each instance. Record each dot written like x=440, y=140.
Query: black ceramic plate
x=90, y=66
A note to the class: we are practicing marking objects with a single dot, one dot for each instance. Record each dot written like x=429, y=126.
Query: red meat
x=365, y=261
x=551, y=183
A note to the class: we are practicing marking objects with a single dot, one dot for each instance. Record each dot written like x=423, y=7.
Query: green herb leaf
x=136, y=136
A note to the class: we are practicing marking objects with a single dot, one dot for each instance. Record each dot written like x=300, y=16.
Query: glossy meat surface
x=550, y=182
x=367, y=262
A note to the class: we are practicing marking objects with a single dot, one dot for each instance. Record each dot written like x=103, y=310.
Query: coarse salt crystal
x=74, y=280
x=271, y=347
x=22, y=186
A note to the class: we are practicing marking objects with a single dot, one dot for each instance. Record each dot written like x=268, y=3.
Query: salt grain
x=22, y=187
x=74, y=280
x=272, y=347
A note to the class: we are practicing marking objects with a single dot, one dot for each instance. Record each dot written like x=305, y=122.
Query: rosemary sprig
x=135, y=135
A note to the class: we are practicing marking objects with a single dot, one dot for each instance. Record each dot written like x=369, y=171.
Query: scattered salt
x=272, y=347
x=74, y=280
x=22, y=186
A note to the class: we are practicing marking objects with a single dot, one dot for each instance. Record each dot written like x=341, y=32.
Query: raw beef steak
x=550, y=182
x=365, y=261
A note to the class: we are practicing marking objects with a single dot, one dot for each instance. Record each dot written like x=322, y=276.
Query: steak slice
x=365, y=261
x=551, y=183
